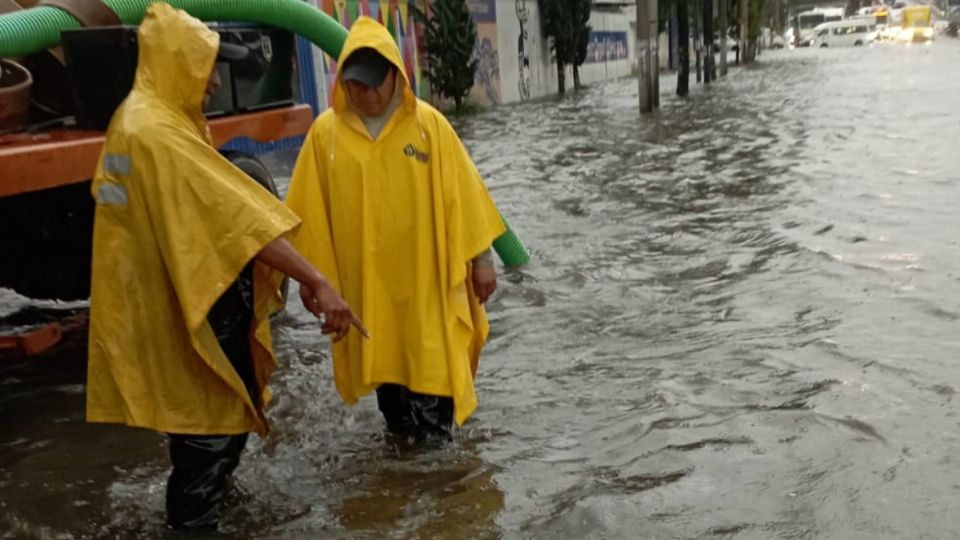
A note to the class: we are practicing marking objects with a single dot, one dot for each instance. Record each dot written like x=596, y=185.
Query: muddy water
x=741, y=323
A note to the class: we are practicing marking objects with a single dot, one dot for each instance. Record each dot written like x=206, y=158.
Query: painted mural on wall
x=523, y=58
x=396, y=16
x=487, y=79
x=607, y=46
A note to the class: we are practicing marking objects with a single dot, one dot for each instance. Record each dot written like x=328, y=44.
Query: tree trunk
x=723, y=37
x=576, y=78
x=699, y=67
x=683, y=49
x=709, y=72
x=744, y=17
x=457, y=102
x=697, y=35
x=561, y=79
x=758, y=36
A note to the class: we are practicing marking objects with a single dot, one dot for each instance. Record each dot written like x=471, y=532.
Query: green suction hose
x=38, y=28
x=510, y=249
x=31, y=30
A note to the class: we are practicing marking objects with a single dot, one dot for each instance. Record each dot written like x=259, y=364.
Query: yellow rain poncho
x=175, y=224
x=394, y=222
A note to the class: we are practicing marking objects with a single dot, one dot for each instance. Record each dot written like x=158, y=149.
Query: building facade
x=514, y=59
x=516, y=55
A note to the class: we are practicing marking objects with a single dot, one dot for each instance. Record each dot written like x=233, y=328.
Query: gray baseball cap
x=367, y=66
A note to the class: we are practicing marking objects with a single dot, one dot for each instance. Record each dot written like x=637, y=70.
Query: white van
x=848, y=33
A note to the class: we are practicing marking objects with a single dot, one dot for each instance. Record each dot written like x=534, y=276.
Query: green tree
x=664, y=11
x=451, y=38
x=557, y=25
x=580, y=12
x=756, y=14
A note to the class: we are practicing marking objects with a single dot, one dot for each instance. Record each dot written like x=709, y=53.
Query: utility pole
x=723, y=37
x=647, y=57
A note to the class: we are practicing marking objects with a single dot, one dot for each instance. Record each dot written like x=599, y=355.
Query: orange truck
x=55, y=103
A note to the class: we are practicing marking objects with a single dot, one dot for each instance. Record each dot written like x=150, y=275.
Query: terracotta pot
x=15, y=82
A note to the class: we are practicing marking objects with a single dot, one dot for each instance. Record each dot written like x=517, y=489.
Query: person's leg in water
x=393, y=402
x=202, y=464
x=433, y=416
x=198, y=482
x=428, y=419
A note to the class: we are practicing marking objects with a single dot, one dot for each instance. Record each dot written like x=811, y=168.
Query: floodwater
x=742, y=322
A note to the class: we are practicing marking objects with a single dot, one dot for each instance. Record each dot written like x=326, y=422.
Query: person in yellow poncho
x=396, y=214
x=185, y=249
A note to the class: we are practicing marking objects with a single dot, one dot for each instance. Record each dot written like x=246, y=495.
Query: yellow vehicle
x=916, y=27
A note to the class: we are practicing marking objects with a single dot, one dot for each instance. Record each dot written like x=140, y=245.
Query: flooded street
x=741, y=322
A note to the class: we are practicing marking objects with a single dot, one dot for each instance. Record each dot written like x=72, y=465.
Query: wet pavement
x=741, y=323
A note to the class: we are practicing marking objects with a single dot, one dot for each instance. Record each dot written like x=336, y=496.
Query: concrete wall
x=488, y=83
x=526, y=69
x=515, y=59
x=611, y=52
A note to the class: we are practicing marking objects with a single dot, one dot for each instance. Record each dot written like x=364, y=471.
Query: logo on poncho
x=411, y=151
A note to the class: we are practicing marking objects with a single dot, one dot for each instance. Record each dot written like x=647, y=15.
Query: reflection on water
x=425, y=500
x=740, y=323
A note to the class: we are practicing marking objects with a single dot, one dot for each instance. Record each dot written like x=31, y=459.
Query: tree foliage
x=451, y=38
x=580, y=13
x=558, y=26
x=566, y=23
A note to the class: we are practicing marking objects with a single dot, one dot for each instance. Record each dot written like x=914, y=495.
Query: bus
x=805, y=22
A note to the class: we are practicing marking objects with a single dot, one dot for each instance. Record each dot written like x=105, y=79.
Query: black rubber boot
x=428, y=419
x=433, y=416
x=394, y=403
x=202, y=465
